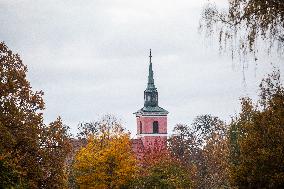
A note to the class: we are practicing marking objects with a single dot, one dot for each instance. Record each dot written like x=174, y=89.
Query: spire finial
x=151, y=84
x=150, y=56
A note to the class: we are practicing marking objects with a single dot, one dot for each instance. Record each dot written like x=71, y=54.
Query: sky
x=91, y=58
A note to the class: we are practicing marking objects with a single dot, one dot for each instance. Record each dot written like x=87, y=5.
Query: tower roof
x=151, y=95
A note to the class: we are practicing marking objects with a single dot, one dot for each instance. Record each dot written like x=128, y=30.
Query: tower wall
x=147, y=124
x=150, y=139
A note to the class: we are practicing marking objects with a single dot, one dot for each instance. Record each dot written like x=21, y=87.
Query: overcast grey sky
x=91, y=58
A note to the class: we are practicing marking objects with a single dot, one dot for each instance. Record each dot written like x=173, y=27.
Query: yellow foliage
x=106, y=162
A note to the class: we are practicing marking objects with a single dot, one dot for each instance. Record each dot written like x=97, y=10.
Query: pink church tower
x=152, y=119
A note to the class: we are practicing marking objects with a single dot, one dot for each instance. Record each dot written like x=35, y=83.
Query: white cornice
x=152, y=134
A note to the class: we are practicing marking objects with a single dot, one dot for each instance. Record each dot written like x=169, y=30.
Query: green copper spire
x=150, y=84
x=151, y=96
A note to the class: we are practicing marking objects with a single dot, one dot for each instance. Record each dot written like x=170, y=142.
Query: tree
x=107, y=161
x=160, y=170
x=20, y=120
x=202, y=149
x=184, y=147
x=257, y=138
x=216, y=162
x=88, y=128
x=108, y=124
x=55, y=146
x=9, y=176
x=244, y=23
x=26, y=144
x=205, y=126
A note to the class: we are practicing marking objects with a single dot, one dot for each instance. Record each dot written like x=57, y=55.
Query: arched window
x=140, y=127
x=155, y=127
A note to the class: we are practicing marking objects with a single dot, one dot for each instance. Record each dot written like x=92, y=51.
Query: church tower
x=152, y=119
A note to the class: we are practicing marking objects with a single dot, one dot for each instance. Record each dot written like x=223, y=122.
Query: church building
x=151, y=119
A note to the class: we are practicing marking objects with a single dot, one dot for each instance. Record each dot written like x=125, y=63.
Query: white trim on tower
x=152, y=134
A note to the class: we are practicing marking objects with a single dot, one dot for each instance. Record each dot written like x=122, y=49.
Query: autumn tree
x=211, y=134
x=184, y=147
x=23, y=136
x=257, y=138
x=20, y=120
x=88, y=128
x=244, y=24
x=216, y=162
x=202, y=148
x=9, y=175
x=205, y=126
x=162, y=171
x=158, y=169
x=55, y=147
x=107, y=161
x=107, y=124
